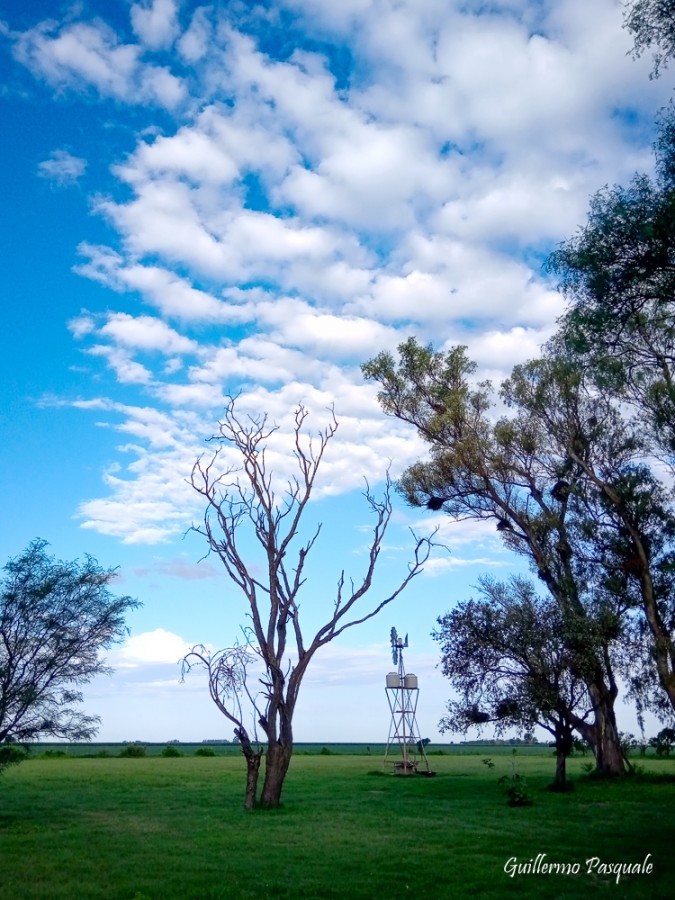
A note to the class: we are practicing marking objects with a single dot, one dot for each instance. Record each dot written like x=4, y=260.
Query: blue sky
x=235, y=198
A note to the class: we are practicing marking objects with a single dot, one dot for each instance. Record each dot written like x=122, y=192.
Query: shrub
x=205, y=751
x=132, y=751
x=54, y=754
x=11, y=754
x=514, y=786
x=171, y=751
x=515, y=790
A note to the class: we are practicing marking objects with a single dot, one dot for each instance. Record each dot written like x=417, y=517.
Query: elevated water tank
x=410, y=681
x=393, y=681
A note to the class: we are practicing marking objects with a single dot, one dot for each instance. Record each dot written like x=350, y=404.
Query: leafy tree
x=55, y=617
x=522, y=472
x=618, y=273
x=242, y=501
x=652, y=24
x=664, y=741
x=506, y=659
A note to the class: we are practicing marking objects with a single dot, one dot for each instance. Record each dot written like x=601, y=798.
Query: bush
x=205, y=751
x=133, y=751
x=514, y=787
x=171, y=751
x=11, y=754
x=54, y=754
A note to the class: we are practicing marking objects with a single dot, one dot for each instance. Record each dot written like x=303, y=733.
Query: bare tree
x=228, y=674
x=243, y=499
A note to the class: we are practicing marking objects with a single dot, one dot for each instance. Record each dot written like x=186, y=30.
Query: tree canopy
x=506, y=658
x=618, y=273
x=652, y=25
x=560, y=476
x=55, y=618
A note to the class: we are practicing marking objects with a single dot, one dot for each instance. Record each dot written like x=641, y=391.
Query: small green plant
x=488, y=762
x=205, y=751
x=515, y=787
x=324, y=751
x=171, y=751
x=132, y=751
x=54, y=754
x=588, y=767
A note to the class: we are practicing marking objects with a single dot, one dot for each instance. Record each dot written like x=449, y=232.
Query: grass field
x=161, y=828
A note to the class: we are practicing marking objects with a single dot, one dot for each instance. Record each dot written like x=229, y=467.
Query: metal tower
x=404, y=743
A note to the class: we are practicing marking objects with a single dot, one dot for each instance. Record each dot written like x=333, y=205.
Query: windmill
x=402, y=694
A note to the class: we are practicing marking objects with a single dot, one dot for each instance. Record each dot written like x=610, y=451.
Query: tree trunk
x=560, y=781
x=609, y=756
x=253, y=758
x=603, y=735
x=277, y=760
x=564, y=741
x=252, y=770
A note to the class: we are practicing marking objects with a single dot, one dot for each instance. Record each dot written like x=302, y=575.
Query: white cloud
x=126, y=369
x=157, y=646
x=155, y=22
x=82, y=55
x=145, y=333
x=292, y=220
x=62, y=168
x=194, y=42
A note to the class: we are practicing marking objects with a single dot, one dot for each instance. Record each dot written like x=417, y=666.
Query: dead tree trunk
x=277, y=761
x=253, y=758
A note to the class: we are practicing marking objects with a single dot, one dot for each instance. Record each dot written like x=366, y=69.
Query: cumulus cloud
x=62, y=168
x=298, y=214
x=149, y=647
x=155, y=22
x=81, y=55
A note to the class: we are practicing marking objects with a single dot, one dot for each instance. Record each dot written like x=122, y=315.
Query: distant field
x=376, y=751
x=162, y=829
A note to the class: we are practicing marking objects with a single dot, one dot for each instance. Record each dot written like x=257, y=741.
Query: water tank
x=393, y=680
x=410, y=681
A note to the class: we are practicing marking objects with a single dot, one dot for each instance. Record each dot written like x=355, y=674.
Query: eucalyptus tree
x=245, y=509
x=527, y=478
x=624, y=513
x=505, y=656
x=652, y=25
x=618, y=274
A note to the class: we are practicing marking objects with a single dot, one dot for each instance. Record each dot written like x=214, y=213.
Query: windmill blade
x=406, y=641
x=394, y=637
x=394, y=655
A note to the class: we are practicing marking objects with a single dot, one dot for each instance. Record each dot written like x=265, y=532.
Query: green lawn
x=157, y=829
